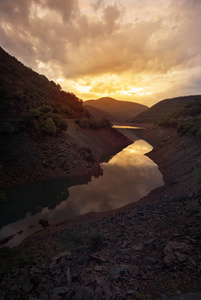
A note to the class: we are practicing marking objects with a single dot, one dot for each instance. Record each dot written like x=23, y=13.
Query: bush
x=62, y=125
x=198, y=133
x=50, y=127
x=34, y=113
x=45, y=108
x=71, y=240
x=96, y=240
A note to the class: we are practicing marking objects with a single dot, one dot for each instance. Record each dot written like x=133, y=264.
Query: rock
x=68, y=276
x=149, y=242
x=43, y=222
x=98, y=258
x=120, y=270
x=84, y=293
x=98, y=268
x=138, y=247
x=27, y=286
x=174, y=251
x=189, y=296
x=108, y=293
x=181, y=257
x=55, y=297
x=176, y=246
x=61, y=291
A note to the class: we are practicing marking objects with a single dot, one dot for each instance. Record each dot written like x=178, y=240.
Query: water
x=127, y=177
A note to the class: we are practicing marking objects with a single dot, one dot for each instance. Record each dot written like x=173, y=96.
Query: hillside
x=38, y=130
x=122, y=110
x=28, y=100
x=163, y=108
x=98, y=113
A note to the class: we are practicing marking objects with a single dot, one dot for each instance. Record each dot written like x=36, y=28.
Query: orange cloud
x=143, y=44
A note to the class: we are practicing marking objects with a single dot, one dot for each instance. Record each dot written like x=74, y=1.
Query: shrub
x=62, y=125
x=96, y=240
x=50, y=127
x=71, y=240
x=198, y=133
x=34, y=113
x=45, y=108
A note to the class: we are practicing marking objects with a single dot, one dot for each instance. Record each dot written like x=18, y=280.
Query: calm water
x=127, y=177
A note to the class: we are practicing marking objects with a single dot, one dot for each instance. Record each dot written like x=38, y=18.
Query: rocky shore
x=77, y=152
x=146, y=250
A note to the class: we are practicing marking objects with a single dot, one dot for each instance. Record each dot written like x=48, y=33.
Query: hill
x=122, y=110
x=46, y=132
x=163, y=108
x=98, y=113
x=28, y=100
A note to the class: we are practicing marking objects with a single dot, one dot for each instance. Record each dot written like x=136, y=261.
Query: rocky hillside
x=163, y=108
x=46, y=132
x=121, y=110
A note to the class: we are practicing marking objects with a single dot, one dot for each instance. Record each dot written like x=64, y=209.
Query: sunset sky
x=135, y=50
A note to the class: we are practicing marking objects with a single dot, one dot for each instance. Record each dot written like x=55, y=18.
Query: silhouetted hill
x=98, y=113
x=163, y=108
x=29, y=101
x=122, y=110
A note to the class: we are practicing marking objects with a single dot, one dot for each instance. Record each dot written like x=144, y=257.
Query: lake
x=127, y=177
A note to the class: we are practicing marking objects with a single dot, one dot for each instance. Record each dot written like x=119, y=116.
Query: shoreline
x=171, y=186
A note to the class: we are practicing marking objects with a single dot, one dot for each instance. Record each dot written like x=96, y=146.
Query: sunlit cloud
x=139, y=50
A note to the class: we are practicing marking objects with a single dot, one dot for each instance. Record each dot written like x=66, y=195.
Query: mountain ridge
x=121, y=110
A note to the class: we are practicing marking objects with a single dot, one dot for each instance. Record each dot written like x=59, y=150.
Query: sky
x=135, y=50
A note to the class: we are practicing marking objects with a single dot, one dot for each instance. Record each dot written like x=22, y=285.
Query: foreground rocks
x=151, y=251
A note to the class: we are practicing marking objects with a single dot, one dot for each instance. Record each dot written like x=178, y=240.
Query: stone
x=55, y=297
x=98, y=268
x=61, y=291
x=138, y=247
x=181, y=257
x=149, y=242
x=120, y=270
x=176, y=246
x=27, y=286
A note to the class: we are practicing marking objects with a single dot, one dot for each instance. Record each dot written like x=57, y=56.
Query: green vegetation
x=164, y=108
x=28, y=99
x=71, y=240
x=96, y=239
x=30, y=102
x=12, y=258
x=186, y=121
x=139, y=296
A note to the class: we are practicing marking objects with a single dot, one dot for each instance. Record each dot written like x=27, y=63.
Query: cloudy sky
x=135, y=50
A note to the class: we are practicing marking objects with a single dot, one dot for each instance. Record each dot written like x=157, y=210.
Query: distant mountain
x=98, y=113
x=122, y=110
x=164, y=108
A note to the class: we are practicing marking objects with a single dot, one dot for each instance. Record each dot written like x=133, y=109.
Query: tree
x=50, y=127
